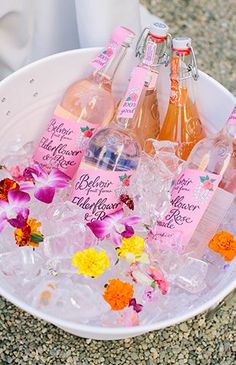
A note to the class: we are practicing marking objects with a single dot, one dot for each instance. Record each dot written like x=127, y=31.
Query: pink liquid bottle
x=86, y=105
x=201, y=195
x=152, y=49
x=111, y=157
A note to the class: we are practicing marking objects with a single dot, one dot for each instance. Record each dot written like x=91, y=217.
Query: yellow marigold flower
x=133, y=245
x=29, y=235
x=118, y=293
x=224, y=244
x=90, y=262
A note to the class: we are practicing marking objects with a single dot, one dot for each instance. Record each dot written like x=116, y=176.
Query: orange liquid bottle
x=182, y=123
x=152, y=50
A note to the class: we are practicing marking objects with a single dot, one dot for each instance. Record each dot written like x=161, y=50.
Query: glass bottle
x=182, y=123
x=152, y=50
x=86, y=105
x=202, y=193
x=111, y=157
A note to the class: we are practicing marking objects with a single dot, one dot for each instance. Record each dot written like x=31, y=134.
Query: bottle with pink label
x=201, y=195
x=152, y=49
x=86, y=105
x=111, y=157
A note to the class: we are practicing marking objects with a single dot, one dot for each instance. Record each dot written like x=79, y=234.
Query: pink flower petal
x=128, y=232
x=58, y=179
x=100, y=228
x=17, y=197
x=116, y=238
x=116, y=216
x=20, y=219
x=45, y=194
x=131, y=221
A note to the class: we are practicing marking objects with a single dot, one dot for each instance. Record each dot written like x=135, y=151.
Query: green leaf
x=122, y=177
x=153, y=285
x=34, y=237
x=213, y=180
x=116, y=261
x=211, y=190
x=202, y=178
x=128, y=99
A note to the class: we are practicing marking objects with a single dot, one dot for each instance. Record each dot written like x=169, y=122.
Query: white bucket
x=28, y=98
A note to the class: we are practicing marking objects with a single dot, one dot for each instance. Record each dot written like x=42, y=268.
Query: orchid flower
x=158, y=278
x=137, y=307
x=115, y=225
x=149, y=294
x=13, y=211
x=44, y=184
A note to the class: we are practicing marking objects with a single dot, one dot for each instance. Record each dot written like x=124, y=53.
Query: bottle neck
x=181, y=78
x=109, y=70
x=129, y=123
x=155, y=52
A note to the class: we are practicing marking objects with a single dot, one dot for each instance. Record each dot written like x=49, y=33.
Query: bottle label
x=97, y=191
x=63, y=142
x=232, y=117
x=129, y=103
x=104, y=56
x=174, y=79
x=191, y=194
x=150, y=53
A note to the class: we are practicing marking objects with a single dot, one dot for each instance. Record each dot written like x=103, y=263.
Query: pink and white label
x=97, y=191
x=130, y=101
x=232, y=117
x=150, y=53
x=63, y=143
x=104, y=56
x=190, y=197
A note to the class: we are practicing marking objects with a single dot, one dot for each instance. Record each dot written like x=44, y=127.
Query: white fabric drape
x=32, y=29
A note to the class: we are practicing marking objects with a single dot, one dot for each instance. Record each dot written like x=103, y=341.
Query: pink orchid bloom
x=159, y=279
x=44, y=184
x=14, y=211
x=149, y=295
x=115, y=225
x=137, y=307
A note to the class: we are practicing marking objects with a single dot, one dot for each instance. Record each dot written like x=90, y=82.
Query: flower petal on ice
x=17, y=197
x=45, y=194
x=100, y=228
x=58, y=179
x=116, y=238
x=128, y=232
x=131, y=221
x=21, y=218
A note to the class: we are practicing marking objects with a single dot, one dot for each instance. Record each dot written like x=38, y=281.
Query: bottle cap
x=122, y=35
x=158, y=29
x=181, y=43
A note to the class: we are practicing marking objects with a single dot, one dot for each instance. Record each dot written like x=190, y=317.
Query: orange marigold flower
x=6, y=185
x=29, y=235
x=224, y=244
x=118, y=294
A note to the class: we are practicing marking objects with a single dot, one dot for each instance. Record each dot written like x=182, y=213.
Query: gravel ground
x=25, y=340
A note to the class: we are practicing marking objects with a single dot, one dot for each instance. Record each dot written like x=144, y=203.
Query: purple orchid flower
x=14, y=211
x=44, y=184
x=115, y=225
x=137, y=307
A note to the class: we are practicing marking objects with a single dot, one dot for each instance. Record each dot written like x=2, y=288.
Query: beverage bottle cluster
x=98, y=141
